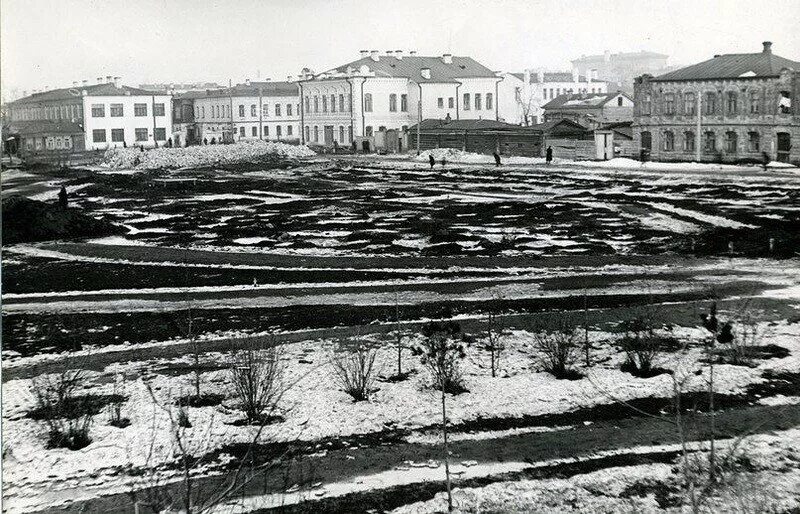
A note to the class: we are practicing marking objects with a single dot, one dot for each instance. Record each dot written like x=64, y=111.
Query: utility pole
x=698, y=138
x=260, y=112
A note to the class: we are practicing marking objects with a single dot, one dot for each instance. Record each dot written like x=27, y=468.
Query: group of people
x=497, y=161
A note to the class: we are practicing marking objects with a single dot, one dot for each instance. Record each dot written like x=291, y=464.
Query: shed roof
x=456, y=125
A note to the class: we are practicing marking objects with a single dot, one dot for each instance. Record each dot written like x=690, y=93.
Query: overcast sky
x=53, y=42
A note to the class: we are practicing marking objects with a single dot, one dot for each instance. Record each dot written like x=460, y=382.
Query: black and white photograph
x=434, y=256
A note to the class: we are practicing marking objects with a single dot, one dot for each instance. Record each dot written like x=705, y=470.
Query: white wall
x=265, y=121
x=128, y=122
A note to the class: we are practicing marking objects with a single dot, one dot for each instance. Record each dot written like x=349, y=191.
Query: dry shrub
x=354, y=370
x=66, y=414
x=559, y=349
x=441, y=351
x=256, y=374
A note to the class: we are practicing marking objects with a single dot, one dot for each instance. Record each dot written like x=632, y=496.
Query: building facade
x=732, y=108
x=108, y=114
x=249, y=111
x=590, y=110
x=523, y=95
x=621, y=69
x=373, y=100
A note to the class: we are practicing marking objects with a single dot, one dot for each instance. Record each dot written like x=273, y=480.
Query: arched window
x=316, y=134
x=731, y=103
x=316, y=103
x=710, y=106
x=688, y=141
x=324, y=103
x=647, y=140
x=350, y=134
x=730, y=142
x=392, y=102
x=341, y=133
x=647, y=105
x=689, y=104
x=710, y=142
x=669, y=141
x=754, y=102
x=333, y=103
x=368, y=102
x=753, y=141
x=669, y=103
x=308, y=133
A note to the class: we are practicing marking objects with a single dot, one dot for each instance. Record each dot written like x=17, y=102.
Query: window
x=99, y=135
x=785, y=103
x=253, y=110
x=393, y=103
x=669, y=103
x=350, y=134
x=241, y=131
x=754, y=102
x=710, y=104
x=158, y=109
x=266, y=130
x=288, y=109
x=141, y=134
x=489, y=101
x=619, y=101
x=324, y=105
x=316, y=133
x=647, y=105
x=368, y=132
x=368, y=102
x=403, y=103
x=349, y=102
x=689, y=104
x=466, y=101
x=440, y=102
x=140, y=109
x=160, y=134
x=688, y=141
x=316, y=103
x=478, y=102
x=308, y=133
x=341, y=103
x=278, y=131
x=99, y=111
x=255, y=132
x=730, y=142
x=116, y=111
x=307, y=105
x=241, y=111
x=551, y=93
x=669, y=141
x=288, y=130
x=333, y=103
x=710, y=142
x=450, y=103
x=265, y=110
x=731, y=102
x=753, y=141
x=278, y=108
x=202, y=112
x=647, y=140
x=341, y=133
x=117, y=135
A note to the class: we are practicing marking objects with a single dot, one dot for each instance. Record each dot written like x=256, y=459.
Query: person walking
x=431, y=160
x=496, y=159
x=444, y=161
x=62, y=198
x=549, y=155
x=766, y=160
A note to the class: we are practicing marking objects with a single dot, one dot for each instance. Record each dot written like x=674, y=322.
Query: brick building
x=741, y=105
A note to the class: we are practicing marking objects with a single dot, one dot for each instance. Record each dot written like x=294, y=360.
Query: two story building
x=731, y=108
x=590, y=110
x=373, y=100
x=91, y=117
x=253, y=110
x=523, y=95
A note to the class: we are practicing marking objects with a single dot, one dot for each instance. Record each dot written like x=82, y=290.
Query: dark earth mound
x=26, y=221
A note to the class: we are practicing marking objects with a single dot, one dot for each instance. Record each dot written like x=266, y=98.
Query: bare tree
x=399, y=336
x=494, y=336
x=256, y=373
x=354, y=370
x=558, y=348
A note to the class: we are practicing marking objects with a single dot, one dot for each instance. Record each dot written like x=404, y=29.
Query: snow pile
x=455, y=155
x=196, y=156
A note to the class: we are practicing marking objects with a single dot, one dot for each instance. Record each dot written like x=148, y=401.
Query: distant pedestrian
x=549, y=155
x=205, y=140
x=141, y=148
x=431, y=160
x=355, y=147
x=124, y=144
x=169, y=143
x=213, y=140
x=62, y=198
x=766, y=160
x=496, y=159
x=444, y=161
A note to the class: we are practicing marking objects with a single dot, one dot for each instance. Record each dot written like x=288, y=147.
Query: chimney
x=109, y=78
x=388, y=53
x=288, y=78
x=412, y=53
x=74, y=83
x=716, y=55
x=373, y=54
x=606, y=56
x=246, y=82
x=398, y=54
x=116, y=82
x=364, y=53
x=767, y=47
x=99, y=80
x=84, y=82
x=447, y=58
x=426, y=73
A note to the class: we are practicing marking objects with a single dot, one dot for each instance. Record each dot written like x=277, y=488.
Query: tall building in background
x=621, y=69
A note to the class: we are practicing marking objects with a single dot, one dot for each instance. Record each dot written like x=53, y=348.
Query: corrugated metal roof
x=105, y=89
x=581, y=101
x=411, y=67
x=762, y=64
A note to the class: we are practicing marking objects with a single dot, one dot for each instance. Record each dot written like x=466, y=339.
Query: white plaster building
x=373, y=100
x=523, y=94
x=108, y=114
x=253, y=110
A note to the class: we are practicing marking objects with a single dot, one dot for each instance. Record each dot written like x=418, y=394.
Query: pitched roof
x=549, y=126
x=412, y=65
x=105, y=89
x=761, y=64
x=553, y=76
x=582, y=101
x=268, y=88
x=33, y=127
x=437, y=124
